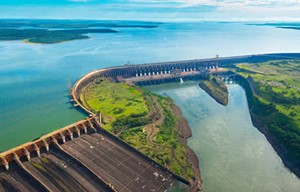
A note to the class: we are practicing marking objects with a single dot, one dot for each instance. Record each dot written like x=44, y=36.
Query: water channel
x=234, y=156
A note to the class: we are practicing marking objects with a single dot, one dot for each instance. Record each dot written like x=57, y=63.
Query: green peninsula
x=57, y=31
x=149, y=122
x=216, y=88
x=273, y=93
x=45, y=36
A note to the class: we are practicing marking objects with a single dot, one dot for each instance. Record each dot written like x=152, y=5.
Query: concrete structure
x=93, y=160
x=168, y=71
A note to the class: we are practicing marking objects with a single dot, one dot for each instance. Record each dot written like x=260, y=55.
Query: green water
x=234, y=156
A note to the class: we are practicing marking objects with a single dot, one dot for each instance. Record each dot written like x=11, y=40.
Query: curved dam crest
x=156, y=73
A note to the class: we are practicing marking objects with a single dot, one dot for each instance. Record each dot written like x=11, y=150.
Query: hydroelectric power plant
x=83, y=151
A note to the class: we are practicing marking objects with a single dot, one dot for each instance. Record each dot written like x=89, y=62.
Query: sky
x=154, y=10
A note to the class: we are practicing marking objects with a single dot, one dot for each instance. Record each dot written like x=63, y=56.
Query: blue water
x=34, y=78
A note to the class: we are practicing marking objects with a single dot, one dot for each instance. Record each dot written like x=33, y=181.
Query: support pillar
x=16, y=158
x=26, y=152
x=63, y=138
x=84, y=128
x=77, y=130
x=46, y=145
x=37, y=150
x=5, y=163
x=54, y=140
x=92, y=126
x=70, y=134
x=100, y=118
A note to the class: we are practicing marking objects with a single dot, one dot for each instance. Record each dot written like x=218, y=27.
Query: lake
x=234, y=156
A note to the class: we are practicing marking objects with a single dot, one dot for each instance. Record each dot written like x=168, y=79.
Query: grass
x=114, y=100
x=279, y=83
x=278, y=103
x=129, y=111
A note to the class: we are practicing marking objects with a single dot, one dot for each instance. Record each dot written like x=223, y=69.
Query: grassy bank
x=275, y=104
x=144, y=120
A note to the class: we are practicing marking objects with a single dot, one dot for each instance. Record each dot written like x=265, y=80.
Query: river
x=233, y=155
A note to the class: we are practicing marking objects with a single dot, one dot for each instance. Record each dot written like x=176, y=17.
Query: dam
x=83, y=151
x=81, y=157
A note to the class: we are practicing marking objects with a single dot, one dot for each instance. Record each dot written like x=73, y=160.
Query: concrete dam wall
x=89, y=160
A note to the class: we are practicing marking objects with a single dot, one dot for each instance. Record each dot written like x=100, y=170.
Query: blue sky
x=158, y=10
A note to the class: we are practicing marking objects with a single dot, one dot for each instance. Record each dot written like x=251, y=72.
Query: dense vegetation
x=276, y=101
x=56, y=31
x=144, y=120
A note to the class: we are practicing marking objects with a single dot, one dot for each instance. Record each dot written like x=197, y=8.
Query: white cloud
x=227, y=3
x=165, y=10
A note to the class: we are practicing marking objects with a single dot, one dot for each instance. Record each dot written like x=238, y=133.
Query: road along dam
x=84, y=157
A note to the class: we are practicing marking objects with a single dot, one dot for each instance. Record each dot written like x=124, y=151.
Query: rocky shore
x=185, y=133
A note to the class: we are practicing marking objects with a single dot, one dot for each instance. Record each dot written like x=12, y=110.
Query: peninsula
x=45, y=36
x=216, y=88
x=58, y=31
x=150, y=123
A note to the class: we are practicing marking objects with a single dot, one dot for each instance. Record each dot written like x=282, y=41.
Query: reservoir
x=233, y=155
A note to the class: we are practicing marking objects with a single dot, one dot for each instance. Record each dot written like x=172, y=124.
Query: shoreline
x=27, y=41
x=279, y=149
x=185, y=133
x=216, y=90
x=263, y=128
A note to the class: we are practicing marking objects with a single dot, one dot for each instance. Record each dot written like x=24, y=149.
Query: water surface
x=234, y=156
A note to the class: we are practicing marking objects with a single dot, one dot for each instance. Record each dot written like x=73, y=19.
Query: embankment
x=185, y=133
x=259, y=112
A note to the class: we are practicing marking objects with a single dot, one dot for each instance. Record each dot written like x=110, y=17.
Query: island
x=45, y=36
x=58, y=31
x=216, y=88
